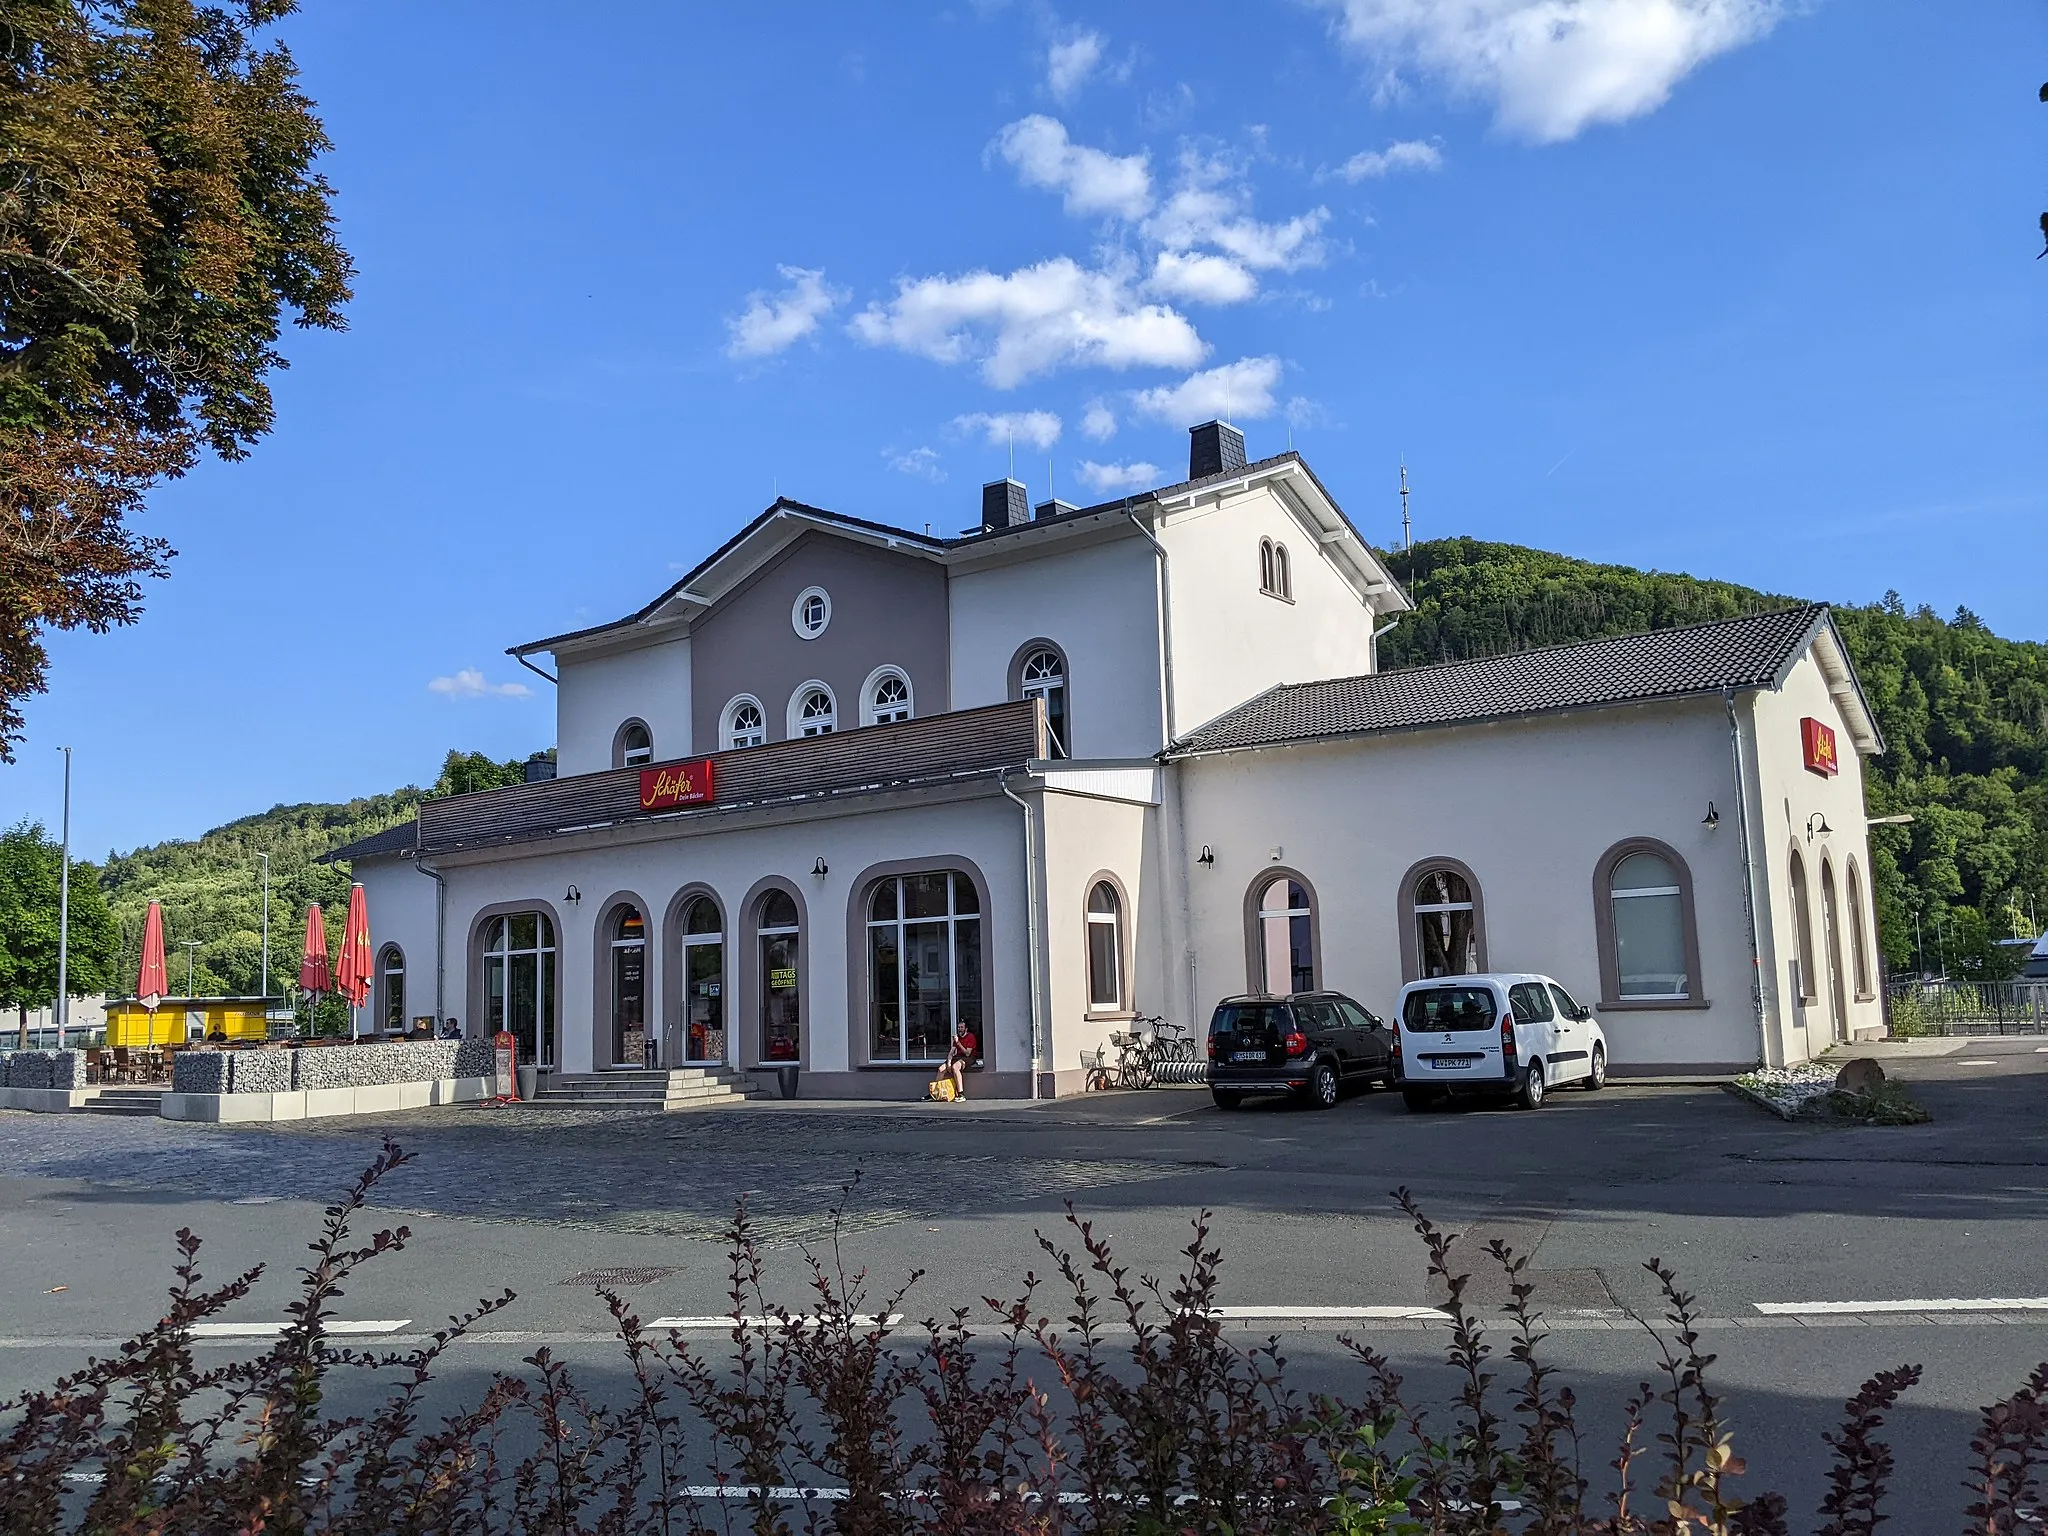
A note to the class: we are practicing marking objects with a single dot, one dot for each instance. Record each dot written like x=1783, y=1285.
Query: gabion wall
x=43, y=1069
x=347, y=1066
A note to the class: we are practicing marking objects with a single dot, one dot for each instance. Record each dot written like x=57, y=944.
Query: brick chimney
x=1004, y=504
x=1214, y=448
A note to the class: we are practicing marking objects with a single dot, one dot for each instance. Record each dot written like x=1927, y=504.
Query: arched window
x=1284, y=916
x=924, y=965
x=519, y=983
x=1859, y=960
x=624, y=963
x=778, y=931
x=1265, y=565
x=1649, y=944
x=1041, y=673
x=812, y=711
x=634, y=745
x=1274, y=578
x=886, y=698
x=702, y=966
x=1831, y=933
x=743, y=724
x=1444, y=923
x=1105, y=948
x=1802, y=931
x=391, y=981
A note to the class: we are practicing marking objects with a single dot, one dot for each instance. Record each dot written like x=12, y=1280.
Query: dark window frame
x=619, y=748
x=1411, y=945
x=1611, y=999
x=1254, y=936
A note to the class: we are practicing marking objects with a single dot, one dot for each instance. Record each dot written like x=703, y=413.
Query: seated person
x=959, y=1059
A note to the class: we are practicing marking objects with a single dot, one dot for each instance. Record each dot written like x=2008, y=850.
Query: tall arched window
x=391, y=982
x=702, y=964
x=627, y=966
x=1831, y=933
x=924, y=965
x=886, y=698
x=812, y=711
x=1285, y=918
x=1802, y=931
x=1042, y=674
x=1648, y=941
x=519, y=983
x=743, y=725
x=1444, y=923
x=1859, y=960
x=634, y=746
x=1105, y=948
x=1266, y=577
x=1274, y=578
x=778, y=931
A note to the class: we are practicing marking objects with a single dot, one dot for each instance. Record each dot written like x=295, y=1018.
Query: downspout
x=536, y=671
x=1030, y=930
x=1175, y=816
x=1756, y=952
x=440, y=928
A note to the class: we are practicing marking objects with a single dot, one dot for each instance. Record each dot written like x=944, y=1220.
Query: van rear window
x=1450, y=1009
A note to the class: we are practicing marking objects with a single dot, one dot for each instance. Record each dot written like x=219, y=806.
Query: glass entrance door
x=629, y=989
x=781, y=1023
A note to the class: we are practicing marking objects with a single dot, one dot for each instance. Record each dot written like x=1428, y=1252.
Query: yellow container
x=178, y=1020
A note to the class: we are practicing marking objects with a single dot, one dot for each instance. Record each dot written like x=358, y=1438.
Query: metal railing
x=1968, y=1008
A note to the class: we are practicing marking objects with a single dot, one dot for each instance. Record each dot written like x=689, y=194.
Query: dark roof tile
x=402, y=838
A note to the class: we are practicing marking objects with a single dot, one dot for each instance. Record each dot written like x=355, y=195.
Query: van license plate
x=1451, y=1063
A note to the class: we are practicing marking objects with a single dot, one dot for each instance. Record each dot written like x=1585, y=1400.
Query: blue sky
x=1735, y=287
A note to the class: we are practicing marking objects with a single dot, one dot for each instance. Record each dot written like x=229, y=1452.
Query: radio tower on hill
x=1407, y=532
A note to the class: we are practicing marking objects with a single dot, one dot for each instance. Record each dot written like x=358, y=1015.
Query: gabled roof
x=401, y=839
x=1730, y=654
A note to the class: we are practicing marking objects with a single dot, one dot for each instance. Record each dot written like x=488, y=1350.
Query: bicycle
x=1169, y=1041
x=1133, y=1061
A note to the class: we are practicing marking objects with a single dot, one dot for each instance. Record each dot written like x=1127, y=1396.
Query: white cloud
x=1210, y=207
x=1403, y=155
x=1201, y=278
x=1108, y=479
x=1039, y=429
x=1098, y=422
x=1091, y=181
x=1551, y=68
x=774, y=321
x=1029, y=322
x=919, y=463
x=468, y=683
x=1069, y=64
x=1239, y=391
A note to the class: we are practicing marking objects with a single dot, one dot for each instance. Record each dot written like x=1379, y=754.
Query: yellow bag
x=941, y=1091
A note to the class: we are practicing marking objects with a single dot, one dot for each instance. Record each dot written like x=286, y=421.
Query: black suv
x=1311, y=1045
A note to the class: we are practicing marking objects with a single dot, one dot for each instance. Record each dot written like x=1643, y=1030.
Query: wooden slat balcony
x=934, y=748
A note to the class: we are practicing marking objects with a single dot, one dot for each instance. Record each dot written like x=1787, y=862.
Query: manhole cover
x=624, y=1276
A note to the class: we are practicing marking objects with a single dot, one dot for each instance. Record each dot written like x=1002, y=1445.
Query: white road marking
x=1943, y=1304
x=271, y=1330
x=1330, y=1314
x=866, y=1320
x=1976, y=1063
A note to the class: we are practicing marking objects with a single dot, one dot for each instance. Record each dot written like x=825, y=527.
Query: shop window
x=1802, y=932
x=1649, y=947
x=812, y=711
x=887, y=698
x=1444, y=925
x=1105, y=948
x=634, y=746
x=744, y=724
x=702, y=968
x=1284, y=937
x=519, y=983
x=627, y=943
x=779, y=933
x=924, y=965
x=1041, y=673
x=1274, y=578
x=1859, y=957
x=391, y=981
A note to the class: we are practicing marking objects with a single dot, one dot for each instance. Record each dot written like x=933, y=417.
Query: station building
x=846, y=786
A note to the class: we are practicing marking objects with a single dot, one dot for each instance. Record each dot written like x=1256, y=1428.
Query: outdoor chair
x=93, y=1068
x=121, y=1065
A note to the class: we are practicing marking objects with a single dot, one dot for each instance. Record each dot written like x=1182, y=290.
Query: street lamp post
x=263, y=976
x=64, y=913
x=191, y=948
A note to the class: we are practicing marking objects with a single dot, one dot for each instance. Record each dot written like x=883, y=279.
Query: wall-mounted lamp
x=572, y=895
x=1712, y=819
x=1817, y=826
x=821, y=869
x=1207, y=856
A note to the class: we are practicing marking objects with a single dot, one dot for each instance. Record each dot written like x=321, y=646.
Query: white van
x=1494, y=1034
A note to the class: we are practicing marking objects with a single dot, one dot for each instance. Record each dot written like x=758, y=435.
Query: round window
x=811, y=612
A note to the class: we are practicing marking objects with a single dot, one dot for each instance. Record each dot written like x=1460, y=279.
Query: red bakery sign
x=1817, y=741
x=677, y=784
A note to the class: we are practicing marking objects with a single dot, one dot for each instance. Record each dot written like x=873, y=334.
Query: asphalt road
x=1755, y=1214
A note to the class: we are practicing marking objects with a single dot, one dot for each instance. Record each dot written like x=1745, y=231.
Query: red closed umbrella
x=353, y=981
x=313, y=975
x=151, y=986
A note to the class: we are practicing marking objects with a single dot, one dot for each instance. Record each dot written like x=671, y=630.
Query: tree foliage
x=464, y=773
x=31, y=889
x=1964, y=715
x=159, y=217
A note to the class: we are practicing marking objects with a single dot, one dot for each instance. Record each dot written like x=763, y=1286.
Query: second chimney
x=1004, y=504
x=1214, y=448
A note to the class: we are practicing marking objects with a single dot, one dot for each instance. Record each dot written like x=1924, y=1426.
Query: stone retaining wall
x=353, y=1066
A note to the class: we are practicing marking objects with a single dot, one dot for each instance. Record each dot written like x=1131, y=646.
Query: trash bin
x=785, y=1081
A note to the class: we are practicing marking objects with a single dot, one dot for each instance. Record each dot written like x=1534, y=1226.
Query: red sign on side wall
x=677, y=784
x=1817, y=741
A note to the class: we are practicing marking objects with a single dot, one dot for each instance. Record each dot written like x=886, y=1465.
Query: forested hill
x=1964, y=715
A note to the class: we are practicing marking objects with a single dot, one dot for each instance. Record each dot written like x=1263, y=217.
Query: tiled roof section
x=402, y=838
x=1702, y=658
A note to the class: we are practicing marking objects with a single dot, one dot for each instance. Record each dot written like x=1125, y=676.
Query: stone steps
x=685, y=1088
x=124, y=1101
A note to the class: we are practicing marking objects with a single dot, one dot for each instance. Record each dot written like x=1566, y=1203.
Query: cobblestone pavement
x=666, y=1175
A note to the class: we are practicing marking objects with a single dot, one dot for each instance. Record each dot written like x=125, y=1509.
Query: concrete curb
x=1758, y=1099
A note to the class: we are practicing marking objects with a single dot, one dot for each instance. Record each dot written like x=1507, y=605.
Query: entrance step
x=124, y=1101
x=684, y=1088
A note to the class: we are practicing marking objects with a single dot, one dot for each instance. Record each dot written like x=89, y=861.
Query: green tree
x=31, y=871
x=160, y=216
x=464, y=773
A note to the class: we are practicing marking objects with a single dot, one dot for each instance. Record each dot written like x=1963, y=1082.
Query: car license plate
x=1247, y=1055
x=1450, y=1063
